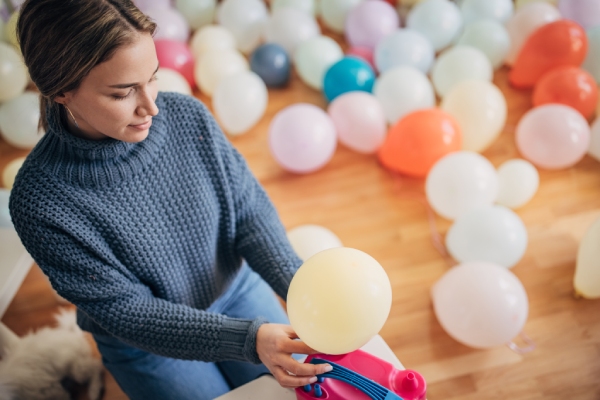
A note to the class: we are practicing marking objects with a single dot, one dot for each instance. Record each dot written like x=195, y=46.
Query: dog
x=49, y=364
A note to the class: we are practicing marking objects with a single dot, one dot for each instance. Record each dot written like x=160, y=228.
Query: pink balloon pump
x=361, y=376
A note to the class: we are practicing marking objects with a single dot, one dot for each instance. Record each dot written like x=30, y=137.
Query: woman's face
x=116, y=99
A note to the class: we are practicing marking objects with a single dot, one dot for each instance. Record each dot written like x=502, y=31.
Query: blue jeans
x=146, y=376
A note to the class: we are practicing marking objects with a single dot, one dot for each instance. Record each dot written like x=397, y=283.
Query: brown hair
x=62, y=40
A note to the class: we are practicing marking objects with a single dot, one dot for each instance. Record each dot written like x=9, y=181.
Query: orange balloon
x=418, y=140
x=570, y=86
x=559, y=43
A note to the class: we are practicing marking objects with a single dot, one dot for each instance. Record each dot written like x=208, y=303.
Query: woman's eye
x=117, y=97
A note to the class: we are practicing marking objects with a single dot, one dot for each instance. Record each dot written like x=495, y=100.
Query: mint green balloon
x=592, y=61
x=197, y=13
x=313, y=58
x=490, y=37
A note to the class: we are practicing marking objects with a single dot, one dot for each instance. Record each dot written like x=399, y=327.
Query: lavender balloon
x=585, y=12
x=145, y=5
x=171, y=24
x=369, y=22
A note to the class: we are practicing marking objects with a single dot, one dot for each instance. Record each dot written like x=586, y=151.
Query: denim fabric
x=146, y=376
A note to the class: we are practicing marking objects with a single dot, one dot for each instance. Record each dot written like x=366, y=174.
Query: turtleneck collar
x=95, y=163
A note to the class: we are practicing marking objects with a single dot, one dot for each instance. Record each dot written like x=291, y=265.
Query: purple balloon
x=145, y=5
x=585, y=12
x=171, y=24
x=302, y=138
x=369, y=22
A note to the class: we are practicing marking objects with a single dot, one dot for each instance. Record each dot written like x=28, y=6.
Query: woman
x=141, y=213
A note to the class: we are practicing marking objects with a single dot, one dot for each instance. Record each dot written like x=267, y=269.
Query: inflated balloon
x=490, y=37
x=585, y=12
x=490, y=233
x=457, y=64
x=571, y=86
x=480, y=109
x=402, y=90
x=289, y=27
x=245, y=19
x=171, y=25
x=559, y=43
x=587, y=269
x=240, y=101
x=347, y=75
x=13, y=74
x=359, y=121
x=307, y=6
x=334, y=12
x=519, y=181
x=19, y=119
x=522, y=3
x=592, y=61
x=369, y=22
x=481, y=305
x=594, y=149
x=216, y=65
x=302, y=138
x=10, y=172
x=10, y=30
x=5, y=221
x=338, y=300
x=197, y=13
x=499, y=10
x=459, y=182
x=553, y=136
x=418, y=140
x=145, y=5
x=525, y=21
x=176, y=56
x=313, y=57
x=438, y=20
x=404, y=47
x=271, y=62
x=169, y=80
x=308, y=240
x=364, y=53
x=211, y=37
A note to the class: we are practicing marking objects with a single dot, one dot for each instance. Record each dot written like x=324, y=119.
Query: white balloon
x=402, y=90
x=10, y=172
x=480, y=110
x=500, y=10
x=211, y=37
x=594, y=150
x=216, y=65
x=5, y=221
x=481, y=305
x=459, y=182
x=490, y=233
x=171, y=24
x=314, y=56
x=526, y=20
x=245, y=19
x=289, y=27
x=457, y=64
x=308, y=240
x=197, y=13
x=519, y=180
x=13, y=74
x=334, y=12
x=240, y=101
x=405, y=47
x=490, y=37
x=169, y=80
x=437, y=20
x=308, y=6
x=587, y=269
x=19, y=118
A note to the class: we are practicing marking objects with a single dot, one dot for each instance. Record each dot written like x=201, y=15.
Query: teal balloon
x=592, y=60
x=348, y=75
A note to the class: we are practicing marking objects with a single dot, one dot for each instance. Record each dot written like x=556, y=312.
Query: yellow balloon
x=338, y=300
x=10, y=30
x=587, y=269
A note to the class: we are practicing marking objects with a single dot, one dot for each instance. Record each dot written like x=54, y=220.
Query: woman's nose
x=147, y=105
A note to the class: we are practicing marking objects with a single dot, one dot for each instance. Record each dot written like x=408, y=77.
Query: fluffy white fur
x=32, y=367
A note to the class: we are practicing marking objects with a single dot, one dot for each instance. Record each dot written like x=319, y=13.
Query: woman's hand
x=275, y=344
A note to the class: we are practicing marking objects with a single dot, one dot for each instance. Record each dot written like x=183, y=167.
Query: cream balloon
x=216, y=65
x=13, y=74
x=211, y=37
x=19, y=119
x=480, y=109
x=457, y=64
x=519, y=181
x=499, y=10
x=307, y=6
x=10, y=172
x=481, y=305
x=10, y=30
x=402, y=90
x=289, y=27
x=334, y=12
x=587, y=269
x=437, y=20
x=245, y=19
x=169, y=80
x=489, y=36
x=338, y=300
x=197, y=13
x=314, y=56
x=240, y=101
x=308, y=240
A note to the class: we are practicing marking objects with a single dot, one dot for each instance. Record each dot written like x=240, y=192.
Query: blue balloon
x=272, y=63
x=347, y=75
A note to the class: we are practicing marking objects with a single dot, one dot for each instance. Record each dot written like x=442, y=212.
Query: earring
x=72, y=116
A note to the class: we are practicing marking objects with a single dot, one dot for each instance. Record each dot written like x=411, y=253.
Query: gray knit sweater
x=143, y=237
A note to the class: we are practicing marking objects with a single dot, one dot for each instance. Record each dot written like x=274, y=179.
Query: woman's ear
x=63, y=98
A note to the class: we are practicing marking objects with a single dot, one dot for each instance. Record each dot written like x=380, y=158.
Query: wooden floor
x=384, y=215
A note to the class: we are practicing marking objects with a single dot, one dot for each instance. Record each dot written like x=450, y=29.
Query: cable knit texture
x=143, y=237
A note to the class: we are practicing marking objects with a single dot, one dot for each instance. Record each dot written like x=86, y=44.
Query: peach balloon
x=419, y=140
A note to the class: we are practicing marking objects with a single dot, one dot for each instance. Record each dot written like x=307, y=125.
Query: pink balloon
x=369, y=22
x=178, y=56
x=145, y=5
x=170, y=23
x=302, y=138
x=553, y=136
x=363, y=53
x=359, y=121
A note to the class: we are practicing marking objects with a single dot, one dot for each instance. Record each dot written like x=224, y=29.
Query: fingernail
x=313, y=379
x=328, y=368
